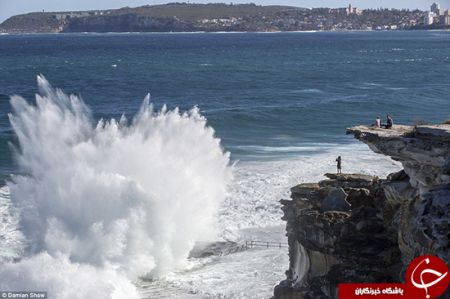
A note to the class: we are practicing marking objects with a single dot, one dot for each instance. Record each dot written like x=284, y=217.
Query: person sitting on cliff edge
x=378, y=122
x=339, y=164
x=389, y=122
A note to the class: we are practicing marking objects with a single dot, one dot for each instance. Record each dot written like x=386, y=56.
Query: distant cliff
x=155, y=18
x=212, y=18
x=32, y=23
x=362, y=229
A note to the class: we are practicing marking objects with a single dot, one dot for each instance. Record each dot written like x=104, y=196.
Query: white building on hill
x=429, y=18
x=353, y=10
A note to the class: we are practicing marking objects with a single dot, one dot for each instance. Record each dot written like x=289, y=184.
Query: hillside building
x=428, y=18
x=353, y=10
x=447, y=17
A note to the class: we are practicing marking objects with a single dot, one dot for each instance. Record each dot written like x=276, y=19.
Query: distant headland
x=219, y=17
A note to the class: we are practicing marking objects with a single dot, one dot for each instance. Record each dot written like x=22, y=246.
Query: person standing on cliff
x=339, y=164
x=378, y=122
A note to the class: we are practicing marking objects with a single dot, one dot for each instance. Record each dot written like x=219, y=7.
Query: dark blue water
x=266, y=95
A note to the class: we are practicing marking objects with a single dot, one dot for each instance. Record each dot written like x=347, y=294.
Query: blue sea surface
x=267, y=95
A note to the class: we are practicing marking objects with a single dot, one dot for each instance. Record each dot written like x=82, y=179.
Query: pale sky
x=13, y=7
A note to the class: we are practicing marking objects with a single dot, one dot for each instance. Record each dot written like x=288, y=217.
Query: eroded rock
x=336, y=200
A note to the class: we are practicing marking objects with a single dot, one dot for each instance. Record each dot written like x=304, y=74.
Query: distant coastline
x=215, y=32
x=182, y=17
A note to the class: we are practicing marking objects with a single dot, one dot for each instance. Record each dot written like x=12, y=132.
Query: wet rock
x=205, y=249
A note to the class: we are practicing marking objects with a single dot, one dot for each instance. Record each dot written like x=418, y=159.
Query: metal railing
x=252, y=244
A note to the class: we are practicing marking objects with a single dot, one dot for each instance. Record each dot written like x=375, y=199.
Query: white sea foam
x=308, y=90
x=11, y=239
x=61, y=278
x=279, y=149
x=248, y=274
x=112, y=201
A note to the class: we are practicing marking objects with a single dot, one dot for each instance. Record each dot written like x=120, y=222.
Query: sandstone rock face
x=340, y=227
x=423, y=150
x=336, y=200
x=359, y=228
x=424, y=213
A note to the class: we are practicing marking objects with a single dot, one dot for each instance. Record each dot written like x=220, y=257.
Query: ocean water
x=270, y=111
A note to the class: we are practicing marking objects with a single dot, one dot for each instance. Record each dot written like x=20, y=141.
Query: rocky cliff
x=357, y=228
x=32, y=23
x=128, y=23
x=172, y=17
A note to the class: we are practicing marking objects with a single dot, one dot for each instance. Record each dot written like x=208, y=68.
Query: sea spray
x=61, y=278
x=125, y=196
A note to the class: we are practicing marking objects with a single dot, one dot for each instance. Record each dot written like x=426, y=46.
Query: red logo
x=428, y=275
